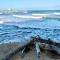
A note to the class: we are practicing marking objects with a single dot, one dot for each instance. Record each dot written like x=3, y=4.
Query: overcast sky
x=30, y=4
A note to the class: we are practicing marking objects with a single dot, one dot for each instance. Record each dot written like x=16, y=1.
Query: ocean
x=20, y=26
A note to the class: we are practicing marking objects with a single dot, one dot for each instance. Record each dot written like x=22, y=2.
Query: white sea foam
x=28, y=17
x=1, y=22
x=56, y=13
x=41, y=15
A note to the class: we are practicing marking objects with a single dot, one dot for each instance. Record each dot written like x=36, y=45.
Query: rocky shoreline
x=6, y=48
x=48, y=48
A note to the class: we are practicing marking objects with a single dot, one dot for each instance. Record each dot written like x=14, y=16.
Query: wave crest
x=56, y=13
x=28, y=17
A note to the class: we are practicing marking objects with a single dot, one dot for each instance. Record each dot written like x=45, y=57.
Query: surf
x=28, y=17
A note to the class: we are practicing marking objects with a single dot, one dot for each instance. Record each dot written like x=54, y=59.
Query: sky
x=30, y=4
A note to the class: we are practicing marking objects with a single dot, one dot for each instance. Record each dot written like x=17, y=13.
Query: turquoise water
x=15, y=29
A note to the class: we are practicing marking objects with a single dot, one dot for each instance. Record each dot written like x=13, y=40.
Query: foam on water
x=28, y=17
x=1, y=22
x=56, y=13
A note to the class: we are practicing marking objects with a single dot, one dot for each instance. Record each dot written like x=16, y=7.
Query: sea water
x=19, y=29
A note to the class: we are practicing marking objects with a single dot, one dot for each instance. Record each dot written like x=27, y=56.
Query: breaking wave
x=56, y=13
x=28, y=17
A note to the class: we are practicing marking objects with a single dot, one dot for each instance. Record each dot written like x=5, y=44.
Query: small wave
x=28, y=17
x=56, y=13
x=1, y=22
x=40, y=14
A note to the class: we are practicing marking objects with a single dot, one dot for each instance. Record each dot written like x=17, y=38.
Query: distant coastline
x=8, y=11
